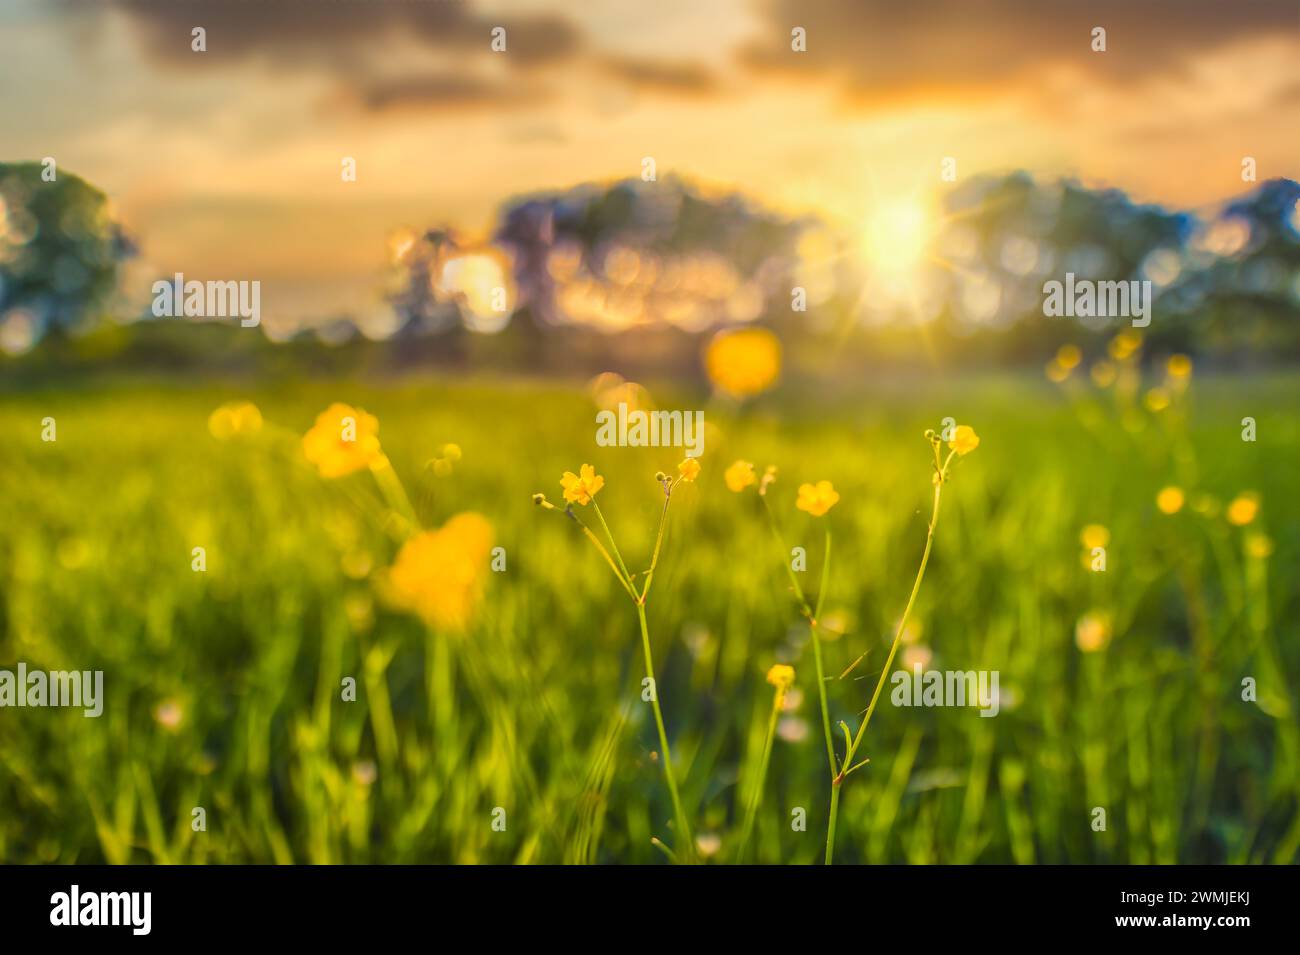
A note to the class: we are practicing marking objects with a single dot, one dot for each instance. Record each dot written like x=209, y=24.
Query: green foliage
x=223, y=688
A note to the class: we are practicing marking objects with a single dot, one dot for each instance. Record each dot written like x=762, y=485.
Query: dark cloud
x=351, y=40
x=892, y=51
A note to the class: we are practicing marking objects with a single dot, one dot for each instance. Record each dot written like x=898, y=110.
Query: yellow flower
x=1170, y=500
x=1157, y=399
x=1056, y=372
x=743, y=362
x=1243, y=509
x=1068, y=356
x=689, y=469
x=1179, y=366
x=581, y=489
x=438, y=575
x=1094, y=535
x=1125, y=345
x=235, y=418
x=344, y=439
x=781, y=676
x=1103, y=374
x=1093, y=631
x=964, y=439
x=1259, y=546
x=740, y=476
x=816, y=499
x=451, y=452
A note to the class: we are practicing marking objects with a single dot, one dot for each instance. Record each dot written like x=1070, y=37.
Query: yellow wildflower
x=451, y=452
x=781, y=676
x=1093, y=631
x=1157, y=399
x=1179, y=366
x=235, y=418
x=743, y=362
x=1125, y=345
x=1094, y=535
x=817, y=499
x=964, y=440
x=740, y=476
x=439, y=574
x=1243, y=509
x=1259, y=546
x=581, y=489
x=1056, y=372
x=344, y=439
x=1103, y=374
x=1170, y=500
x=689, y=469
x=1068, y=356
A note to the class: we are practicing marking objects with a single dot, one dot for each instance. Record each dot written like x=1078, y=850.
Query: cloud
x=678, y=77
x=880, y=52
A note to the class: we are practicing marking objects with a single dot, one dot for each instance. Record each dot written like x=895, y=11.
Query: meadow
x=523, y=736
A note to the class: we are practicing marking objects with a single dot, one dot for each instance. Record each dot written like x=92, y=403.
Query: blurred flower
x=451, y=452
x=964, y=440
x=1056, y=372
x=689, y=469
x=1094, y=535
x=817, y=499
x=1157, y=399
x=743, y=362
x=1068, y=356
x=364, y=772
x=441, y=467
x=343, y=440
x=1170, y=500
x=709, y=843
x=792, y=729
x=1179, y=367
x=740, y=476
x=1124, y=345
x=1258, y=546
x=580, y=490
x=439, y=574
x=1093, y=631
x=917, y=655
x=1243, y=509
x=769, y=478
x=234, y=418
x=169, y=715
x=781, y=676
x=1103, y=374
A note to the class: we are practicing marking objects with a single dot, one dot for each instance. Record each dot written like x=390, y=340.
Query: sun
x=897, y=237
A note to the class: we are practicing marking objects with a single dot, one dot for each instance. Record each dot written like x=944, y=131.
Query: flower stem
x=756, y=796
x=940, y=476
x=687, y=845
x=610, y=537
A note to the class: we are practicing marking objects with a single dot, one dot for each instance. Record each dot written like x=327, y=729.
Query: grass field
x=223, y=687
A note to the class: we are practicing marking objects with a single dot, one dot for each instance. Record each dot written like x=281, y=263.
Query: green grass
x=538, y=708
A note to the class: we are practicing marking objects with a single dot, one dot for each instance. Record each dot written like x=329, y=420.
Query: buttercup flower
x=689, y=469
x=235, y=418
x=1093, y=631
x=1259, y=546
x=1068, y=356
x=817, y=499
x=343, y=440
x=1179, y=366
x=1125, y=345
x=1094, y=535
x=1243, y=509
x=781, y=676
x=743, y=362
x=581, y=488
x=739, y=476
x=439, y=574
x=964, y=440
x=1170, y=500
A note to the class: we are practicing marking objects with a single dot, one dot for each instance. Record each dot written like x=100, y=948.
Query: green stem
x=596, y=507
x=942, y=475
x=687, y=846
x=659, y=539
x=757, y=795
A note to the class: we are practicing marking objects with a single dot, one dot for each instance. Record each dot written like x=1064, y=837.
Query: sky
x=226, y=164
